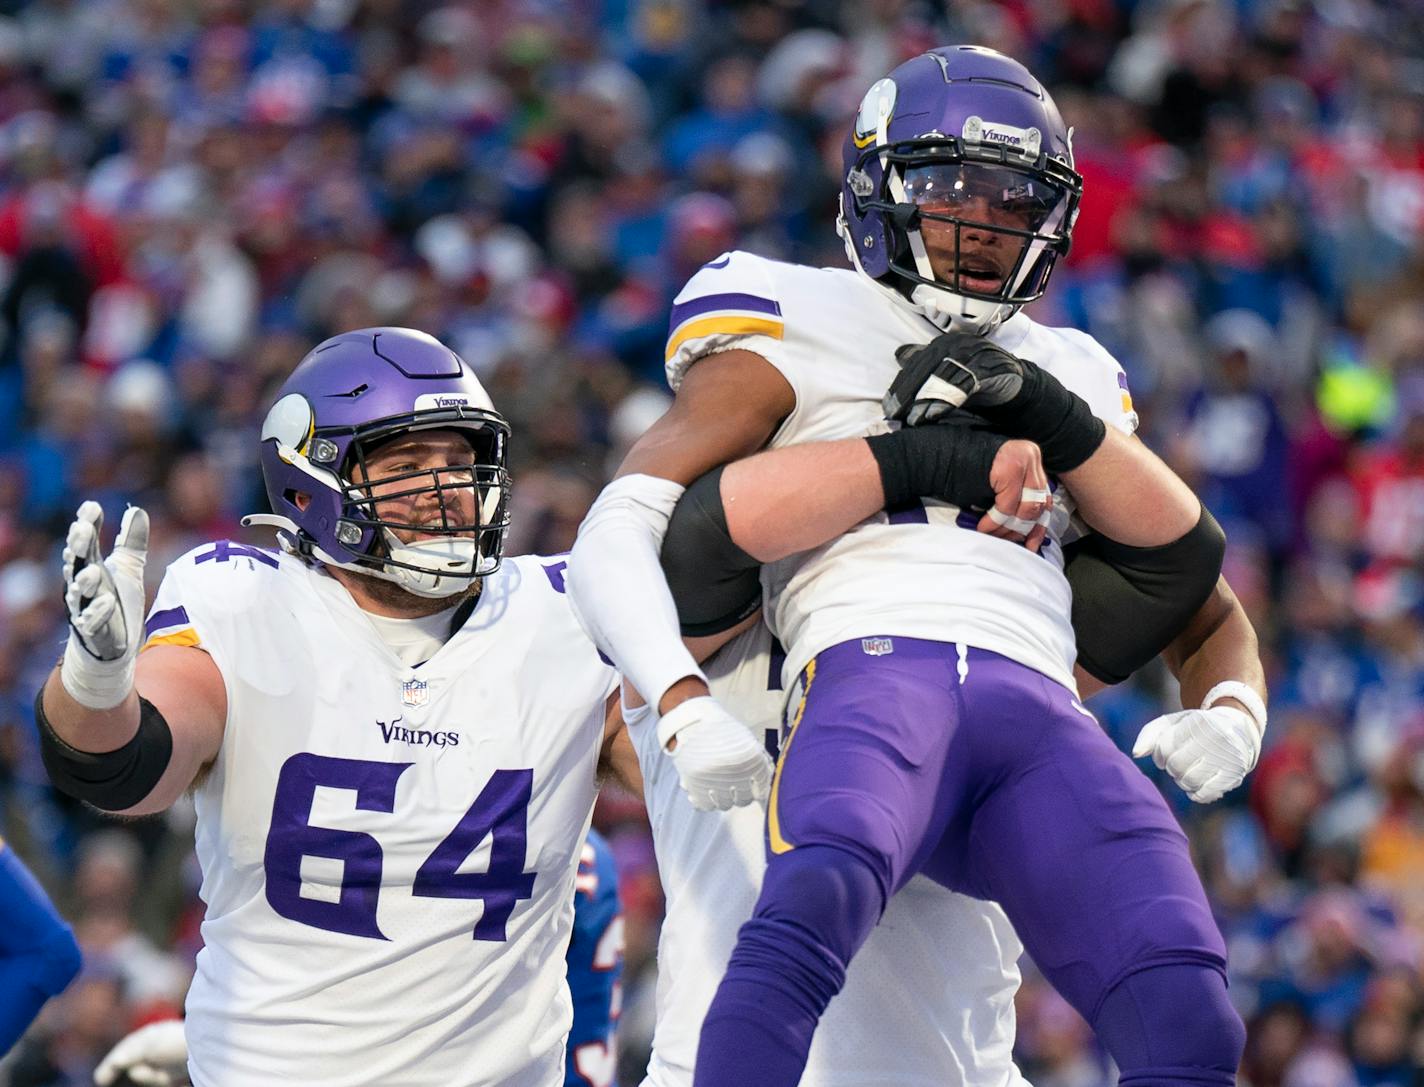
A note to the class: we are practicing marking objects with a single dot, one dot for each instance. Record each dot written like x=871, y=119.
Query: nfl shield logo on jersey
x=414, y=692
x=877, y=647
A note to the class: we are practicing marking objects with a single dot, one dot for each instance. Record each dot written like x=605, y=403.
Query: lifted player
x=939, y=732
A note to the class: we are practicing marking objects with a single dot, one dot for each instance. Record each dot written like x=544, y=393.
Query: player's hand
x=1208, y=752
x=1022, y=500
x=718, y=760
x=155, y=1055
x=958, y=370
x=104, y=598
x=954, y=370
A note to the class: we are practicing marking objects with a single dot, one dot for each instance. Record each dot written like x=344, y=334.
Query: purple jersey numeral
x=500, y=812
x=555, y=573
x=225, y=550
x=292, y=837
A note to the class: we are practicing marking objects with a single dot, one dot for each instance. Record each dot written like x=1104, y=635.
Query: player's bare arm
x=124, y=732
x=617, y=760
x=1126, y=493
x=1210, y=747
x=728, y=407
x=1219, y=640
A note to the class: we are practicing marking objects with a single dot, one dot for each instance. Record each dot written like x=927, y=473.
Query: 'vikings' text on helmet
x=351, y=394
x=959, y=191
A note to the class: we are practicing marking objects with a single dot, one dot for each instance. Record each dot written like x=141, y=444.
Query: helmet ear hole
x=297, y=498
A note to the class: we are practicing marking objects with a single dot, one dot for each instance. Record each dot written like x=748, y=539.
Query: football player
x=937, y=730
x=391, y=735
x=38, y=954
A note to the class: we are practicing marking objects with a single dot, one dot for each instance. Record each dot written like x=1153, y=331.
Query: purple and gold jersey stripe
x=171, y=626
x=187, y=636
x=1126, y=395
x=713, y=303
x=773, y=821
x=729, y=314
x=168, y=617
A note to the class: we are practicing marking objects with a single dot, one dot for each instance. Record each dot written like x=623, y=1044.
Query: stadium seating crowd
x=193, y=192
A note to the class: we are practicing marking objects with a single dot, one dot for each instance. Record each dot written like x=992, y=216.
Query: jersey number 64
x=500, y=812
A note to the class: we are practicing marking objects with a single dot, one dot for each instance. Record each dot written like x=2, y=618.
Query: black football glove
x=958, y=371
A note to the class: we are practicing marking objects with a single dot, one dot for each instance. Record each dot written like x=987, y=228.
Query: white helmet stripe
x=897, y=193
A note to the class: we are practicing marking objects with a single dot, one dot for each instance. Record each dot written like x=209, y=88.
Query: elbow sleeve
x=714, y=583
x=1129, y=603
x=110, y=780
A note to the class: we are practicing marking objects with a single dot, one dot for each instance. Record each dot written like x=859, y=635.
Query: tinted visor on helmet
x=986, y=227
x=999, y=197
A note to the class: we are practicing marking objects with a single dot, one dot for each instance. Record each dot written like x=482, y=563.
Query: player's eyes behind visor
x=999, y=195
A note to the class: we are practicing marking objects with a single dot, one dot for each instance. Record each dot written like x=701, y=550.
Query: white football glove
x=105, y=599
x=1208, y=751
x=155, y=1055
x=718, y=760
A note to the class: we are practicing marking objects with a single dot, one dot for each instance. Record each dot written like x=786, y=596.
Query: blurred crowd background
x=194, y=192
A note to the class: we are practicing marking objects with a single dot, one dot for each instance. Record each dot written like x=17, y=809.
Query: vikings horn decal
x=878, y=102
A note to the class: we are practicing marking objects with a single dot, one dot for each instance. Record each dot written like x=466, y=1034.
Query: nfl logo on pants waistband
x=414, y=693
x=877, y=647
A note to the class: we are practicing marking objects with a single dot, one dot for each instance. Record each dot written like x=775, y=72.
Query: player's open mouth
x=980, y=275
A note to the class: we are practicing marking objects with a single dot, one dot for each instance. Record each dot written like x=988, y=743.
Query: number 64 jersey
x=388, y=852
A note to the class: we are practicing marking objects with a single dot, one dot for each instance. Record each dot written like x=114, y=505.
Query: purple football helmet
x=962, y=138
x=352, y=393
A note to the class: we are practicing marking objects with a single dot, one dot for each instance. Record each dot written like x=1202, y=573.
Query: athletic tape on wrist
x=1243, y=693
x=95, y=684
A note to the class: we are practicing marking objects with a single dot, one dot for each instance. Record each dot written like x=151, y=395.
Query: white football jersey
x=929, y=998
x=388, y=852
x=917, y=573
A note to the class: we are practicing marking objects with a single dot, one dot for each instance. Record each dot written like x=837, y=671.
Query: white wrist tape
x=615, y=581
x=95, y=684
x=1243, y=693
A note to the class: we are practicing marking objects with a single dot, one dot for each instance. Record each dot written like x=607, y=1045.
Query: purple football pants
x=995, y=782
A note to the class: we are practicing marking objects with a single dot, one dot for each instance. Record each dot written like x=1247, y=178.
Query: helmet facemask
x=435, y=530
x=974, y=230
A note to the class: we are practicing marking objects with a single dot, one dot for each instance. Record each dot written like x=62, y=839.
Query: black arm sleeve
x=110, y=780
x=1130, y=602
x=714, y=583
